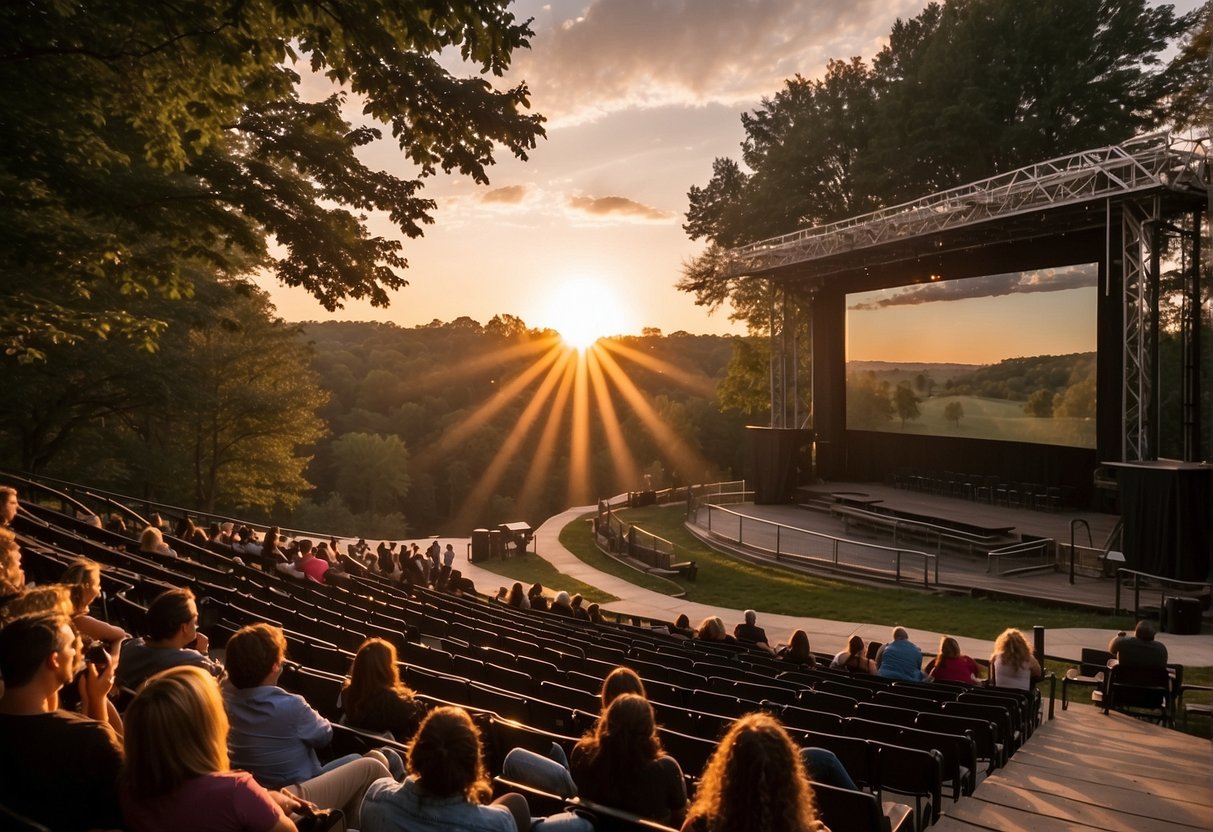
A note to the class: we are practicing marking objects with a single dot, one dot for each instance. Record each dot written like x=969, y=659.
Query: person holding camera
x=172, y=640
x=57, y=767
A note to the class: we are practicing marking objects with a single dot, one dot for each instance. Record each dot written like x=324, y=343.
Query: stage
x=958, y=570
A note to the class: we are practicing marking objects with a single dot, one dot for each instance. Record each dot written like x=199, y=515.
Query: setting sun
x=583, y=310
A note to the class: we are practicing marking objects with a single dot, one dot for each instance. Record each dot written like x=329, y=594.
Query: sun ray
x=541, y=464
x=579, y=450
x=682, y=457
x=497, y=357
x=697, y=383
x=627, y=472
x=460, y=431
x=487, y=482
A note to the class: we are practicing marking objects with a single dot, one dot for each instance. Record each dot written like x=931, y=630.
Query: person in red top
x=953, y=666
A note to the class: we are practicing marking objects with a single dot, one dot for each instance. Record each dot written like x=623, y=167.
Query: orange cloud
x=509, y=195
x=616, y=205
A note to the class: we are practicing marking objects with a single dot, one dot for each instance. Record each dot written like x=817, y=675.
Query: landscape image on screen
x=1007, y=357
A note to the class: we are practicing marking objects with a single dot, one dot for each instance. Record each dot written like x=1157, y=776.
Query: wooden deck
x=1087, y=771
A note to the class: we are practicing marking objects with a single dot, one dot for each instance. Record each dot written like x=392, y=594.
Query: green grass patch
x=531, y=570
x=579, y=539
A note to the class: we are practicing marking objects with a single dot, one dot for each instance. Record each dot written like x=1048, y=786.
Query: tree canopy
x=965, y=90
x=145, y=139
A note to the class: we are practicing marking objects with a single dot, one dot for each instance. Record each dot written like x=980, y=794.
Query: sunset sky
x=640, y=97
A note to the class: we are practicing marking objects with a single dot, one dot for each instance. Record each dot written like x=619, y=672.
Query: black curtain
x=778, y=457
x=1166, y=510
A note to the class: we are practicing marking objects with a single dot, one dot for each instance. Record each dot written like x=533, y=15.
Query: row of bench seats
x=532, y=677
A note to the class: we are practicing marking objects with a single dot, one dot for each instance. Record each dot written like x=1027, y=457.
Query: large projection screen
x=1004, y=357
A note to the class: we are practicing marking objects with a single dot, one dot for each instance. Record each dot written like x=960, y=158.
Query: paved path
x=824, y=635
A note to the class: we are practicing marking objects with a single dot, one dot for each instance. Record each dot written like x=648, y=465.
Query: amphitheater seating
x=531, y=678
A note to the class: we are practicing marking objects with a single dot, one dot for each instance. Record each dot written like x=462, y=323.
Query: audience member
x=56, y=767
x=172, y=639
x=115, y=523
x=434, y=552
x=594, y=614
x=517, y=597
x=712, y=629
x=750, y=633
x=619, y=681
x=682, y=627
x=901, y=658
x=755, y=780
x=274, y=734
x=1139, y=649
x=374, y=698
x=621, y=763
x=448, y=556
x=1012, y=665
x=536, y=597
x=950, y=665
x=447, y=786
x=798, y=650
x=56, y=598
x=177, y=774
x=8, y=505
x=151, y=542
x=579, y=611
x=83, y=579
x=385, y=552
x=306, y=565
x=562, y=604
x=12, y=578
x=271, y=553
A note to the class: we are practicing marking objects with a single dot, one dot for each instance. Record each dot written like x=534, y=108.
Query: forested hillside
x=444, y=424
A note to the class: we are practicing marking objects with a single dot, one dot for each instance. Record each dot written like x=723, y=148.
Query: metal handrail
x=1017, y=549
x=928, y=559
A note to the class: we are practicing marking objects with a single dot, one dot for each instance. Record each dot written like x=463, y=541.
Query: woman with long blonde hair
x=83, y=579
x=755, y=782
x=177, y=774
x=1012, y=665
x=373, y=696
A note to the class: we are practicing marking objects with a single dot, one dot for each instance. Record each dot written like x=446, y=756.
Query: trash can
x=480, y=545
x=1181, y=616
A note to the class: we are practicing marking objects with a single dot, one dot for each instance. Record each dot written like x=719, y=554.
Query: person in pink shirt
x=953, y=666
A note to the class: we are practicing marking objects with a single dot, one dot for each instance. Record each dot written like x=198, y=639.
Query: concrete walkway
x=824, y=635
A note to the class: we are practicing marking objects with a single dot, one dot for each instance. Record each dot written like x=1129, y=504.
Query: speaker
x=1181, y=616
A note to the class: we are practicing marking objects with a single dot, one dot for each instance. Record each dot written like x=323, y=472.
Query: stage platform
x=959, y=570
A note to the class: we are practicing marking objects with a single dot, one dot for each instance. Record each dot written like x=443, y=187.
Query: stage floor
x=958, y=570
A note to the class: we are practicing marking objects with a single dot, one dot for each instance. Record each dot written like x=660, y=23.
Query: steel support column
x=1139, y=413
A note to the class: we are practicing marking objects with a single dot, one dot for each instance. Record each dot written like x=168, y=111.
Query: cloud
x=988, y=286
x=509, y=195
x=617, y=206
x=612, y=55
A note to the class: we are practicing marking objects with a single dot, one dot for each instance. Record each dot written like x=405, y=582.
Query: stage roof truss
x=1156, y=162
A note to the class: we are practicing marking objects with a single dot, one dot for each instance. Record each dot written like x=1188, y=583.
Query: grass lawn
x=578, y=539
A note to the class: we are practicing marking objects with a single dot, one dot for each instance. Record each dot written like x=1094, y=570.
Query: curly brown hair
x=755, y=782
x=1013, y=648
x=446, y=757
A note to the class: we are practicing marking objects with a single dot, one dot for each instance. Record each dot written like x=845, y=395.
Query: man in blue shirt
x=901, y=658
x=274, y=734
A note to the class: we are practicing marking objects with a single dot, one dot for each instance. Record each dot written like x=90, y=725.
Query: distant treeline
x=417, y=418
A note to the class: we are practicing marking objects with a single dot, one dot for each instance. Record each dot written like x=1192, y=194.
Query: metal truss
x=1139, y=244
x=1141, y=164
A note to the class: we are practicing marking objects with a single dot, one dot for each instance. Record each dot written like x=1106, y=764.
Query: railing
x=793, y=544
x=1164, y=584
x=1041, y=549
x=654, y=551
